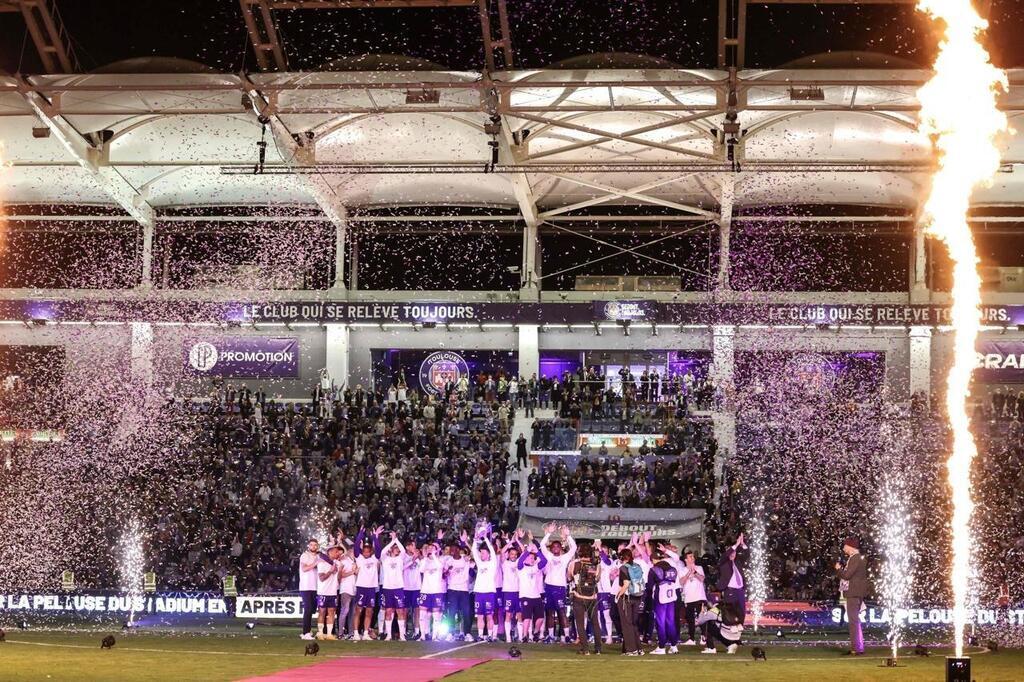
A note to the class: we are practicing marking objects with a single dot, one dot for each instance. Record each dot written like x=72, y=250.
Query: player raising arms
x=392, y=568
x=460, y=607
x=432, y=589
x=510, y=587
x=531, y=590
x=367, y=581
x=484, y=588
x=411, y=580
x=555, y=583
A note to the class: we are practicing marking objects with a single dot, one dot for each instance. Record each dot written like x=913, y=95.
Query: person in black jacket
x=521, y=451
x=731, y=579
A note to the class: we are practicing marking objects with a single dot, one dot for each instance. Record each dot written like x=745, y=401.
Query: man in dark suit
x=731, y=580
x=853, y=584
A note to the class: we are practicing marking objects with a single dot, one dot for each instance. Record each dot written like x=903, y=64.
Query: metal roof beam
x=93, y=158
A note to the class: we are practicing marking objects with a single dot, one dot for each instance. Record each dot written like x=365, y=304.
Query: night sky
x=543, y=33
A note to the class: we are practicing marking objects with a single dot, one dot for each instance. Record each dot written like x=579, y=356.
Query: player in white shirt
x=327, y=569
x=694, y=594
x=531, y=590
x=485, y=586
x=559, y=554
x=392, y=577
x=307, y=585
x=411, y=580
x=460, y=607
x=607, y=586
x=367, y=581
x=432, y=591
x=510, y=587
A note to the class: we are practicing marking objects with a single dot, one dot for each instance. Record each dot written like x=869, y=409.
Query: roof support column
x=723, y=416
x=918, y=266
x=920, y=339
x=530, y=271
x=147, y=256
x=725, y=203
x=340, y=236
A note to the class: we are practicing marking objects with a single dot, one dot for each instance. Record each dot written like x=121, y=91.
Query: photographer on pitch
x=583, y=575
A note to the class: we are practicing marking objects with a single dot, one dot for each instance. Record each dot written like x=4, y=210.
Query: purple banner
x=254, y=357
x=1000, y=361
x=441, y=312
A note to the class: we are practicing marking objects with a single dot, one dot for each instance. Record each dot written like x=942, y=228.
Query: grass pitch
x=231, y=655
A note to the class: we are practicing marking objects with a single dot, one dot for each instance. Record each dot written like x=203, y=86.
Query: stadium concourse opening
x=498, y=339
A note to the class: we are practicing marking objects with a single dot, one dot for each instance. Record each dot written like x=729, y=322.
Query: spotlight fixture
x=429, y=325
x=569, y=327
x=654, y=329
x=514, y=652
x=1020, y=327
x=807, y=94
x=126, y=625
x=425, y=96
x=251, y=625
x=40, y=132
x=416, y=326
x=779, y=634
x=597, y=329
x=821, y=326
x=23, y=624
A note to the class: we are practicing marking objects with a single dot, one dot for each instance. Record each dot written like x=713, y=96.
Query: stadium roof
x=387, y=138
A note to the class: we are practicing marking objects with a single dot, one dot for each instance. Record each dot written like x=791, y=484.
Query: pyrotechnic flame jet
x=959, y=113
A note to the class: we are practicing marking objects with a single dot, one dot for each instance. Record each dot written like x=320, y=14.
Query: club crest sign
x=441, y=367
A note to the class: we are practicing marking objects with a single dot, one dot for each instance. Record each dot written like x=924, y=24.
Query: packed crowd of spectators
x=271, y=473
x=625, y=403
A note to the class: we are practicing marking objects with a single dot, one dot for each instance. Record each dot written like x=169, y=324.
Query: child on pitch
x=432, y=589
x=531, y=590
x=484, y=589
x=510, y=587
x=411, y=581
x=367, y=581
x=558, y=554
x=327, y=570
x=392, y=568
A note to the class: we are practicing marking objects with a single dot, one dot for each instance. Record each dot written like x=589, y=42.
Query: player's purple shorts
x=485, y=603
x=531, y=607
x=431, y=602
x=394, y=599
x=605, y=601
x=511, y=602
x=554, y=597
x=412, y=598
x=327, y=601
x=365, y=597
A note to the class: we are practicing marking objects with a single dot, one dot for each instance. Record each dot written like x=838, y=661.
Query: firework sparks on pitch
x=897, y=574
x=133, y=564
x=958, y=109
x=758, y=563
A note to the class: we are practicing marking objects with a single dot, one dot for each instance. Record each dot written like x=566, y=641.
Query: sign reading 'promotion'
x=254, y=357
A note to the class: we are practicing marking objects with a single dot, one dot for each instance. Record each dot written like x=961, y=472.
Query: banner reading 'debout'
x=254, y=357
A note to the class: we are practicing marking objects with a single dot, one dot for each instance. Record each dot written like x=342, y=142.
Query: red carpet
x=366, y=669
